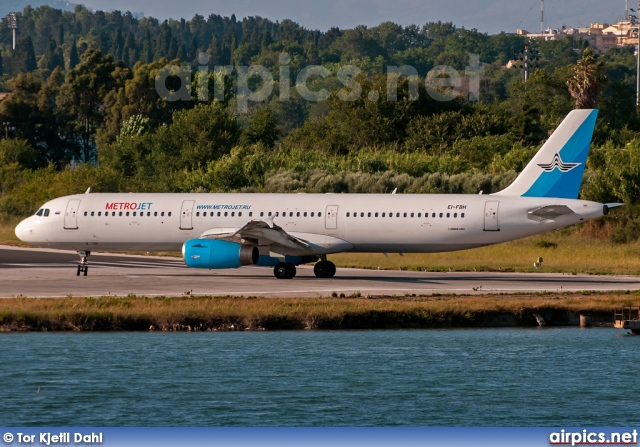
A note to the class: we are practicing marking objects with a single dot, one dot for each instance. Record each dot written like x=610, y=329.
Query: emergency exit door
x=491, y=216
x=186, y=215
x=331, y=217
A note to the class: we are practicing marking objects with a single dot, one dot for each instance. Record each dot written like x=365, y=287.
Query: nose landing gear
x=83, y=267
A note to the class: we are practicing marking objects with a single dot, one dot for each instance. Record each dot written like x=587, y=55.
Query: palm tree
x=588, y=81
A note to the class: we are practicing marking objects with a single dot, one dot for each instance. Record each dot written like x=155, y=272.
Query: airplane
x=221, y=231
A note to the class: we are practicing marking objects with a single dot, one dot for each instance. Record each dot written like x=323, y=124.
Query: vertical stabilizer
x=557, y=169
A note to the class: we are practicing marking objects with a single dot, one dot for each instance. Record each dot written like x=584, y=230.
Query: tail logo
x=558, y=163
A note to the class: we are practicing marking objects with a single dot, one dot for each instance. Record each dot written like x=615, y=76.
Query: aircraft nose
x=24, y=231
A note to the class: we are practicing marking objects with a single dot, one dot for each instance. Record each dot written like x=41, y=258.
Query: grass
x=227, y=313
x=562, y=252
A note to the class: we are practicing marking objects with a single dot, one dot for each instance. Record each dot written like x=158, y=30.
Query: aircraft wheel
x=324, y=269
x=284, y=270
x=79, y=268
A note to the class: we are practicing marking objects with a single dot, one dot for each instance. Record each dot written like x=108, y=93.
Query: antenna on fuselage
x=88, y=190
x=395, y=191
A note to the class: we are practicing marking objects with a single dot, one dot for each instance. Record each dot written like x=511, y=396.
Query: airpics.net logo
x=557, y=163
x=256, y=83
x=586, y=437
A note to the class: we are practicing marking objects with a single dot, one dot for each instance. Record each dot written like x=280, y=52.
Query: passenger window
x=377, y=214
x=85, y=213
x=134, y=213
x=411, y=214
x=368, y=214
x=298, y=214
x=419, y=214
x=113, y=214
x=169, y=214
x=204, y=214
x=290, y=214
x=198, y=214
x=319, y=214
x=233, y=214
x=218, y=213
x=162, y=214
x=148, y=213
x=433, y=215
x=261, y=213
x=226, y=214
x=448, y=215
x=440, y=214
x=462, y=215
x=305, y=214
x=155, y=213
x=269, y=213
x=361, y=214
x=405, y=215
x=455, y=214
x=120, y=214
x=312, y=214
x=46, y=212
x=390, y=214
x=347, y=214
x=127, y=213
x=99, y=213
x=240, y=214
x=93, y=213
x=398, y=215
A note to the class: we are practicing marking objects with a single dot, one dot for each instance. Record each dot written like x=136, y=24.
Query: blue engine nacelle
x=213, y=254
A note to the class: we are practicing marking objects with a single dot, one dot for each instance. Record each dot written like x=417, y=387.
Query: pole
x=14, y=39
x=638, y=67
x=541, y=16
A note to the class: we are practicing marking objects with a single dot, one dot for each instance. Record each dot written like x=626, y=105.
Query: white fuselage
x=408, y=223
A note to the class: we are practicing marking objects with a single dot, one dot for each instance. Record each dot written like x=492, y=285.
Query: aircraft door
x=331, y=217
x=186, y=221
x=491, y=216
x=71, y=215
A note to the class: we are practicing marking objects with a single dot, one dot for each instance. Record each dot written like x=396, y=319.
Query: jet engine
x=214, y=254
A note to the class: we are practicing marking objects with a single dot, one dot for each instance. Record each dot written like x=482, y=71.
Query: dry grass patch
x=225, y=313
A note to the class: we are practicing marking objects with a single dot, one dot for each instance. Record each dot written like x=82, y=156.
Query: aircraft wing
x=260, y=233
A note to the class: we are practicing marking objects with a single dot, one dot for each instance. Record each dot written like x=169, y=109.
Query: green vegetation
x=87, y=114
x=224, y=313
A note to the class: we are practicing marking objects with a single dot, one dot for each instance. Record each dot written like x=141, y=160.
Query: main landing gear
x=322, y=269
x=83, y=267
x=284, y=270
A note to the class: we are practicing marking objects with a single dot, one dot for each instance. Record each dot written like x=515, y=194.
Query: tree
x=82, y=97
x=24, y=60
x=262, y=127
x=53, y=57
x=73, y=56
x=588, y=81
x=1, y=70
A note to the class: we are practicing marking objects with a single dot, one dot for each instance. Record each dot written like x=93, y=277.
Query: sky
x=490, y=16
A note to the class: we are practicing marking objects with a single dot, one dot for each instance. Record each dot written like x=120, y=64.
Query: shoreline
x=197, y=314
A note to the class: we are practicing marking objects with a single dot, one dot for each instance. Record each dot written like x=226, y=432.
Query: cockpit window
x=46, y=212
x=40, y=211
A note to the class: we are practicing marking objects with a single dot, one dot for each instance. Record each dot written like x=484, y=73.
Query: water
x=482, y=377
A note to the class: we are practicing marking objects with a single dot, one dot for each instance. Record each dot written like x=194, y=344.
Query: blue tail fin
x=557, y=169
